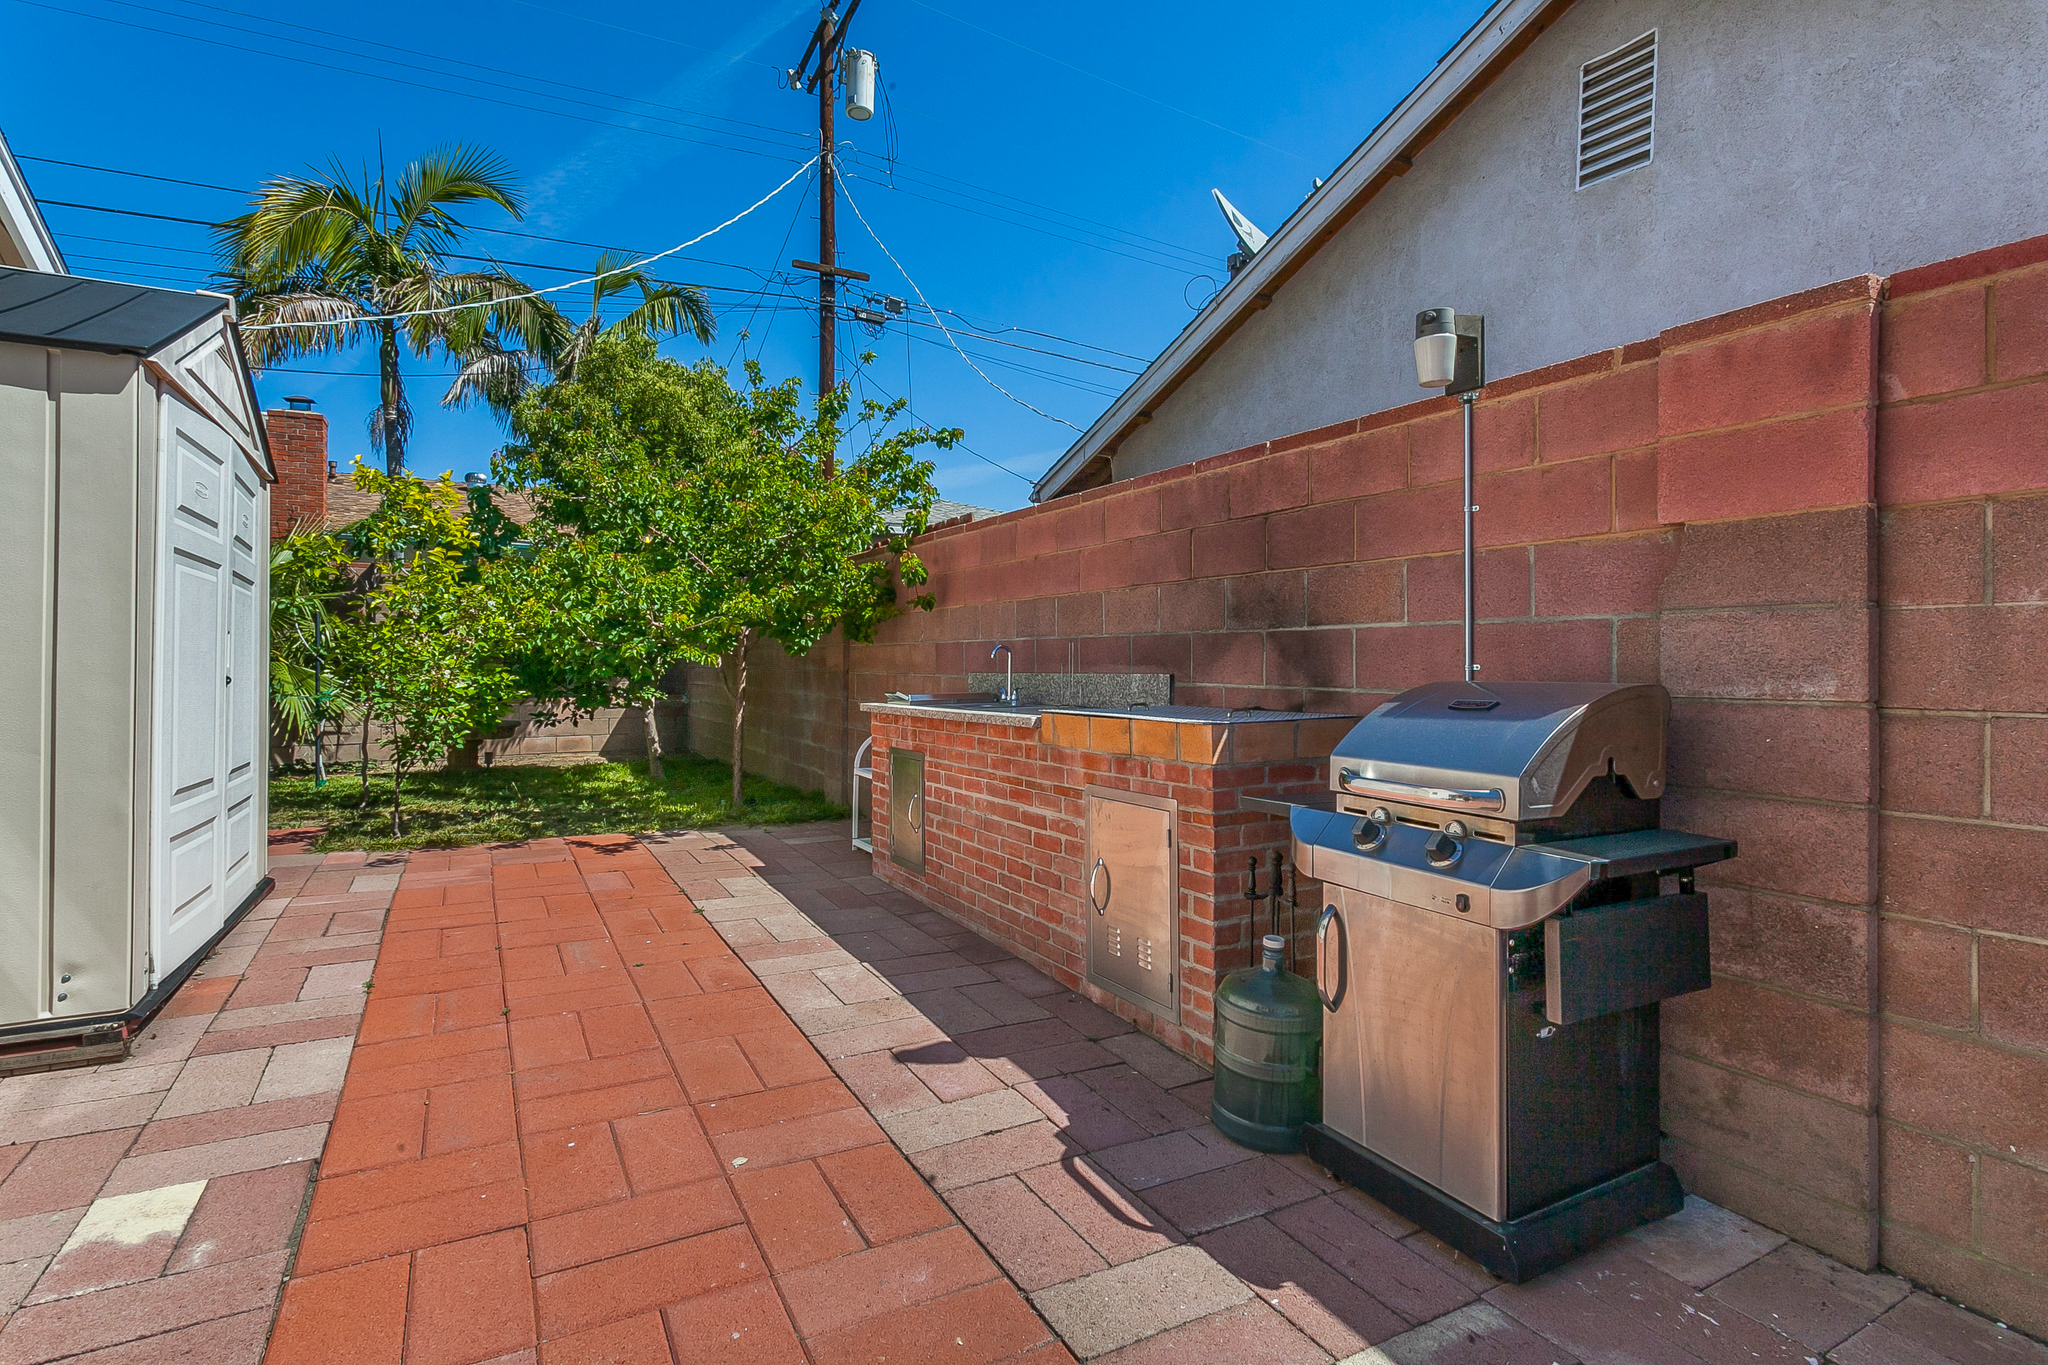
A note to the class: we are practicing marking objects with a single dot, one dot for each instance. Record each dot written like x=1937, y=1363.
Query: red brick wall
x=1005, y=836
x=1822, y=523
x=298, y=447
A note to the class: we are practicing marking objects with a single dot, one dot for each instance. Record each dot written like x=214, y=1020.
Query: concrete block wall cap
x=1865, y=289
x=1975, y=266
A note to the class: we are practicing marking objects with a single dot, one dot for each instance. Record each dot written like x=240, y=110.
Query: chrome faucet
x=1008, y=697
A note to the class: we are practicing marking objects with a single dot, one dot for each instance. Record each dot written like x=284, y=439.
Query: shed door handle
x=1100, y=873
x=1323, y=923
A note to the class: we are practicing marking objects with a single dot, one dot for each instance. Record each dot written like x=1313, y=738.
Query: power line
x=436, y=57
x=536, y=293
x=976, y=331
x=942, y=326
x=640, y=32
x=378, y=75
x=957, y=445
x=1087, y=224
x=1061, y=61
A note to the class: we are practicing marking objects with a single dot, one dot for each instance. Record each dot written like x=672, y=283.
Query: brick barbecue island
x=1108, y=848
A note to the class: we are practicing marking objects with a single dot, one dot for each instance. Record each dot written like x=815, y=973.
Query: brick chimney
x=298, y=447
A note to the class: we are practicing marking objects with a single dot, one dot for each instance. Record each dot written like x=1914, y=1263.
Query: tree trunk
x=392, y=400
x=739, y=720
x=654, y=769
x=397, y=776
x=366, y=759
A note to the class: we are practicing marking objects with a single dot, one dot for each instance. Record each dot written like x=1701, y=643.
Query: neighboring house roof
x=42, y=309
x=25, y=239
x=1502, y=34
x=348, y=504
x=944, y=513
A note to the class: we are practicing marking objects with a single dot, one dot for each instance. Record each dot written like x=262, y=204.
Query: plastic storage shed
x=134, y=655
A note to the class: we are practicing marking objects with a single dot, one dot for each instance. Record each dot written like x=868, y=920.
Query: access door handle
x=1323, y=923
x=913, y=810
x=1101, y=872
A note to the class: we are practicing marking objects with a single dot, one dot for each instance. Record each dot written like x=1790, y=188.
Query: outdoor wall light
x=1450, y=350
x=1450, y=354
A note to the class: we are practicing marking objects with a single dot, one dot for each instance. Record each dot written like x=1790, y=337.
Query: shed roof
x=97, y=315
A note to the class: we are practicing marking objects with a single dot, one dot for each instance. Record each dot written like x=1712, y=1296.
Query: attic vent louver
x=1617, y=95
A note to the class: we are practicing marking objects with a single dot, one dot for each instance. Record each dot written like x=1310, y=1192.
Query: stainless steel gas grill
x=1502, y=916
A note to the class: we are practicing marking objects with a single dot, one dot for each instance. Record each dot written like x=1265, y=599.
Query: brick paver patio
x=148, y=1207
x=1079, y=1153
x=575, y=1126
x=583, y=1122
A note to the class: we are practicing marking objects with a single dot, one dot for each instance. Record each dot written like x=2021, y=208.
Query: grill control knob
x=1442, y=850
x=1370, y=834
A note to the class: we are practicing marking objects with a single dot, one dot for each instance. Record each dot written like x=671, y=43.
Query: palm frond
x=448, y=176
x=668, y=310
x=491, y=375
x=298, y=324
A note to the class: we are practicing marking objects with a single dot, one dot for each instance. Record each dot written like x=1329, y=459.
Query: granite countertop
x=1021, y=716
x=1028, y=715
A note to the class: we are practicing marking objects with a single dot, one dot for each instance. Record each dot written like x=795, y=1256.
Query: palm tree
x=498, y=375
x=320, y=261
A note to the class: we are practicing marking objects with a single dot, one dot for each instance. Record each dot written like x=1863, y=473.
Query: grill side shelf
x=1643, y=850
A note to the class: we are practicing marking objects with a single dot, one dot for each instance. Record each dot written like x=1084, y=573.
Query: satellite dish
x=1248, y=235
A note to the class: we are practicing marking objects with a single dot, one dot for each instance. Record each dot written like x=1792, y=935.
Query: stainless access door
x=906, y=809
x=1132, y=890
x=1420, y=1020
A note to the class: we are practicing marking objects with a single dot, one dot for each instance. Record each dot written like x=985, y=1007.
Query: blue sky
x=1049, y=191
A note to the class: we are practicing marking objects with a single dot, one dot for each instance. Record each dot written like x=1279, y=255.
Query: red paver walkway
x=1079, y=1152
x=147, y=1206
x=575, y=1128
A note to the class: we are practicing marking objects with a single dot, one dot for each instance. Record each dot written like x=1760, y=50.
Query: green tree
x=499, y=376
x=309, y=578
x=787, y=547
x=319, y=262
x=607, y=602
x=429, y=646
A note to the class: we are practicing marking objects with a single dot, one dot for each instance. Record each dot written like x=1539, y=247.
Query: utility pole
x=828, y=238
x=826, y=41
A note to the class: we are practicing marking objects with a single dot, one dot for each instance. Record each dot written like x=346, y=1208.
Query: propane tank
x=858, y=69
x=1269, y=1043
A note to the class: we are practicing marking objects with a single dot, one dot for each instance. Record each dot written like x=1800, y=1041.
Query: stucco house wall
x=1795, y=144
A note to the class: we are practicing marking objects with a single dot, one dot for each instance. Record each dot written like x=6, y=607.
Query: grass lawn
x=496, y=805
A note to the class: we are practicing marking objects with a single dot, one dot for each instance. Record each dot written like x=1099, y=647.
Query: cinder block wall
x=298, y=447
x=1822, y=523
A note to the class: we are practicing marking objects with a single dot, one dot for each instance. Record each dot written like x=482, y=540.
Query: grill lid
x=1523, y=751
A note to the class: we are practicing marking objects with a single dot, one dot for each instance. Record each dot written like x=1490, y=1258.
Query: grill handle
x=1470, y=798
x=1323, y=923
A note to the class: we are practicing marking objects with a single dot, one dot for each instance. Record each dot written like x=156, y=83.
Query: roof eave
x=22, y=219
x=1469, y=67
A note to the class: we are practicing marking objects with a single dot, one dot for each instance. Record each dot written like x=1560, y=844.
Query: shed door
x=245, y=644
x=188, y=901
x=1131, y=888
